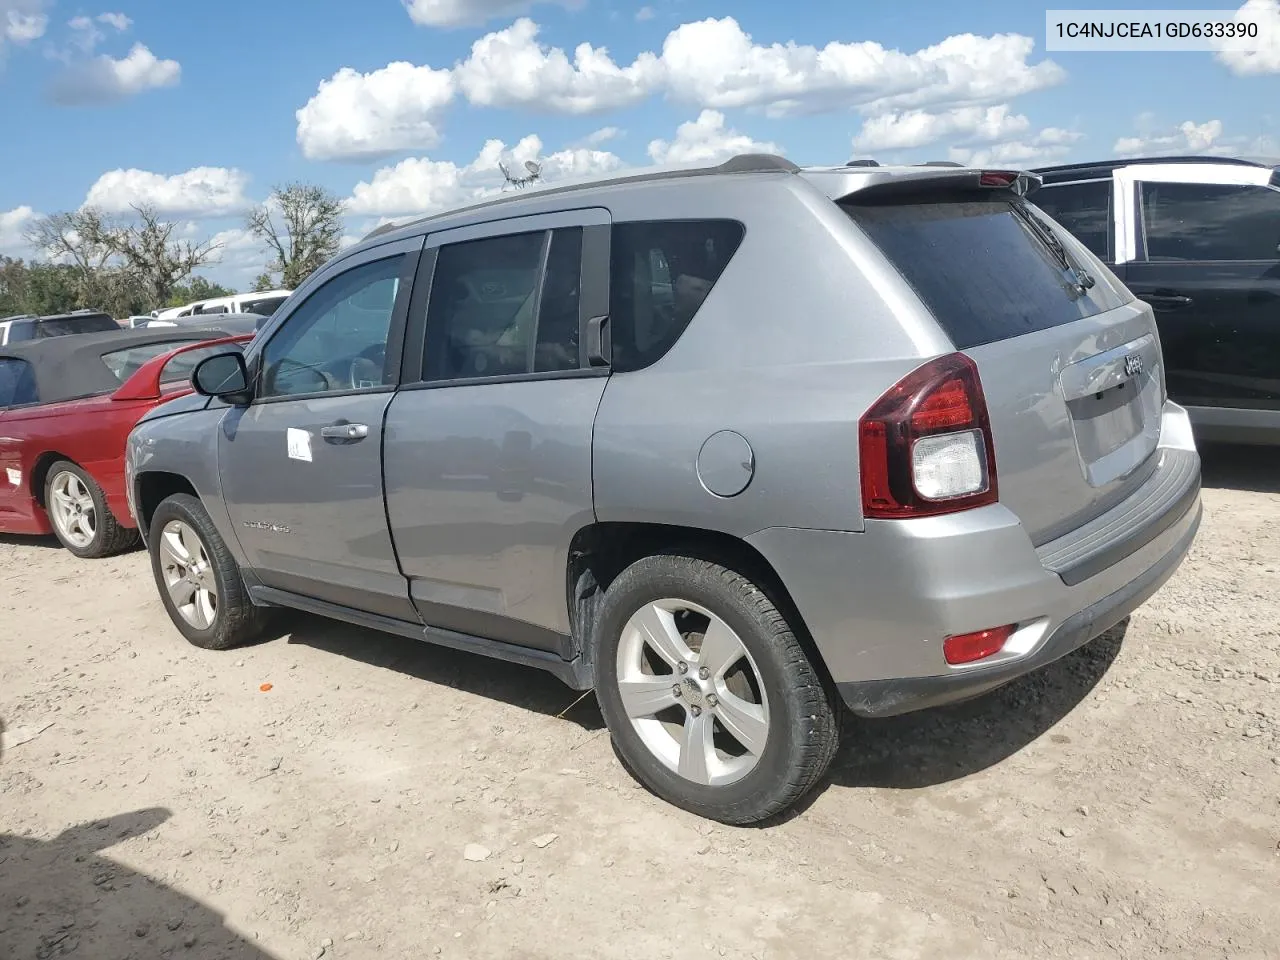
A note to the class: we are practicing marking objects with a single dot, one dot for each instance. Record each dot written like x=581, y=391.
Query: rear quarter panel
x=805, y=329
x=90, y=433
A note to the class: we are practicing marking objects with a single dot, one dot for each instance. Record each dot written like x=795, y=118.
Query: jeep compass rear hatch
x=1069, y=360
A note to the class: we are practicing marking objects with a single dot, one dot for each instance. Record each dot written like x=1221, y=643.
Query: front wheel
x=199, y=580
x=710, y=699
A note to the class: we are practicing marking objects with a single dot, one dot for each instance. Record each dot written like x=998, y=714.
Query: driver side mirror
x=223, y=375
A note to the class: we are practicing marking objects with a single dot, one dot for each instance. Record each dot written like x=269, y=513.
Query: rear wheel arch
x=40, y=473
x=600, y=551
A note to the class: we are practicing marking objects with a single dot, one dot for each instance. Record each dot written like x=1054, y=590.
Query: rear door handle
x=345, y=431
x=1166, y=299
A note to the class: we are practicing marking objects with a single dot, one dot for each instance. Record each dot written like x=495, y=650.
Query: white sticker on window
x=299, y=444
x=15, y=476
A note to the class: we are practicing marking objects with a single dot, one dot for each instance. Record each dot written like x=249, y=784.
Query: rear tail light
x=926, y=446
x=971, y=647
x=997, y=178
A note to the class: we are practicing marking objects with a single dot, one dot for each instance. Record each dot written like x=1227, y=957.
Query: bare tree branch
x=308, y=234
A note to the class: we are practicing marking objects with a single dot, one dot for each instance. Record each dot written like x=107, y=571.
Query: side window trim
x=411, y=250
x=593, y=301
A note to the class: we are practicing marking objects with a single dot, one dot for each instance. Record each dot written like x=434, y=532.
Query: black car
x=1198, y=238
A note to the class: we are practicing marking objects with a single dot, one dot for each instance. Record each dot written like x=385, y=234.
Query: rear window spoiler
x=926, y=184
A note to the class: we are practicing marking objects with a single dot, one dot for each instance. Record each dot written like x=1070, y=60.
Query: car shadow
x=48, y=540
x=933, y=747
x=1249, y=468
x=62, y=897
x=520, y=686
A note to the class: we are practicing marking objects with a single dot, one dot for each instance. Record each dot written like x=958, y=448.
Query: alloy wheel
x=188, y=575
x=73, y=510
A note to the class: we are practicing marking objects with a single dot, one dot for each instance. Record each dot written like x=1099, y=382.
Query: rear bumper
x=880, y=603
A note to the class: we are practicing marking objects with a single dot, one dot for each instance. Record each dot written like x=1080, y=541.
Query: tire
x=231, y=619
x=774, y=693
x=79, y=515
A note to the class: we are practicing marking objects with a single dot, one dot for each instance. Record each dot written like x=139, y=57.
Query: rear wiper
x=1077, y=276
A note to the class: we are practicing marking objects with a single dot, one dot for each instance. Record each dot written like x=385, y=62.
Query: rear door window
x=980, y=269
x=88, y=323
x=1084, y=208
x=17, y=383
x=662, y=271
x=1210, y=221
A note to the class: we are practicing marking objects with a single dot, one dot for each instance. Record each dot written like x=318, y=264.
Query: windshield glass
x=125, y=363
x=986, y=271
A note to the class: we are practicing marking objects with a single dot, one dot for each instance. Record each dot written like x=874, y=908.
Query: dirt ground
x=1123, y=802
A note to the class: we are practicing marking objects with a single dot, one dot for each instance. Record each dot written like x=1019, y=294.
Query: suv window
x=495, y=312
x=337, y=339
x=1210, y=221
x=84, y=323
x=21, y=330
x=17, y=382
x=981, y=271
x=263, y=308
x=1084, y=209
x=662, y=271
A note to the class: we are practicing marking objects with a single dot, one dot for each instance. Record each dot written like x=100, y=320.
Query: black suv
x=1199, y=239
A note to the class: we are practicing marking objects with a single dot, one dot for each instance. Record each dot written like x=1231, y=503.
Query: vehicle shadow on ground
x=62, y=897
x=520, y=686
x=932, y=747
x=1253, y=469
x=48, y=541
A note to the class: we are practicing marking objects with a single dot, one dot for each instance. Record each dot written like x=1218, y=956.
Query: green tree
x=301, y=225
x=79, y=239
x=147, y=251
x=264, y=283
x=197, y=288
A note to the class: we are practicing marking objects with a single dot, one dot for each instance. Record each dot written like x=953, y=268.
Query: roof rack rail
x=940, y=163
x=863, y=163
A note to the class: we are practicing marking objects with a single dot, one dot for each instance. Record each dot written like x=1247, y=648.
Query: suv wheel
x=79, y=514
x=711, y=701
x=199, y=580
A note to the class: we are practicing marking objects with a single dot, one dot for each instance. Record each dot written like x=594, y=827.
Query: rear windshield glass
x=983, y=274
x=263, y=307
x=89, y=323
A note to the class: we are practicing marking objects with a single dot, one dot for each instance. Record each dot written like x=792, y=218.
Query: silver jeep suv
x=728, y=445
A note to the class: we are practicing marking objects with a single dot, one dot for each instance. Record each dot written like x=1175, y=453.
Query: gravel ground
x=388, y=799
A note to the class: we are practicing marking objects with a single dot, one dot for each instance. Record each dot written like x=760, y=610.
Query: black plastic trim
x=572, y=673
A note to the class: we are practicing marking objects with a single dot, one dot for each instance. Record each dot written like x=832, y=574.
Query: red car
x=67, y=405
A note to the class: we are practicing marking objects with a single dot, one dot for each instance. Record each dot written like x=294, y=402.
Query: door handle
x=1170, y=300
x=345, y=431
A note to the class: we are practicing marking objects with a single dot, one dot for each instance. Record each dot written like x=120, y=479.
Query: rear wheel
x=199, y=580
x=710, y=699
x=79, y=514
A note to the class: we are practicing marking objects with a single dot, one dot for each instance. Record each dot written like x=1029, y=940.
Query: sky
x=406, y=107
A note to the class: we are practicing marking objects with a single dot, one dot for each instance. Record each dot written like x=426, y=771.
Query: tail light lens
x=926, y=446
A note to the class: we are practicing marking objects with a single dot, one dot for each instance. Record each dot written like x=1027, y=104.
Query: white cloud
x=1188, y=137
x=201, y=192
x=603, y=135
x=716, y=64
x=117, y=20
x=422, y=186
x=470, y=13
x=909, y=129
x=12, y=224
x=645, y=13
x=21, y=21
x=706, y=140
x=105, y=79
x=1050, y=145
x=366, y=115
x=509, y=68
x=1266, y=14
